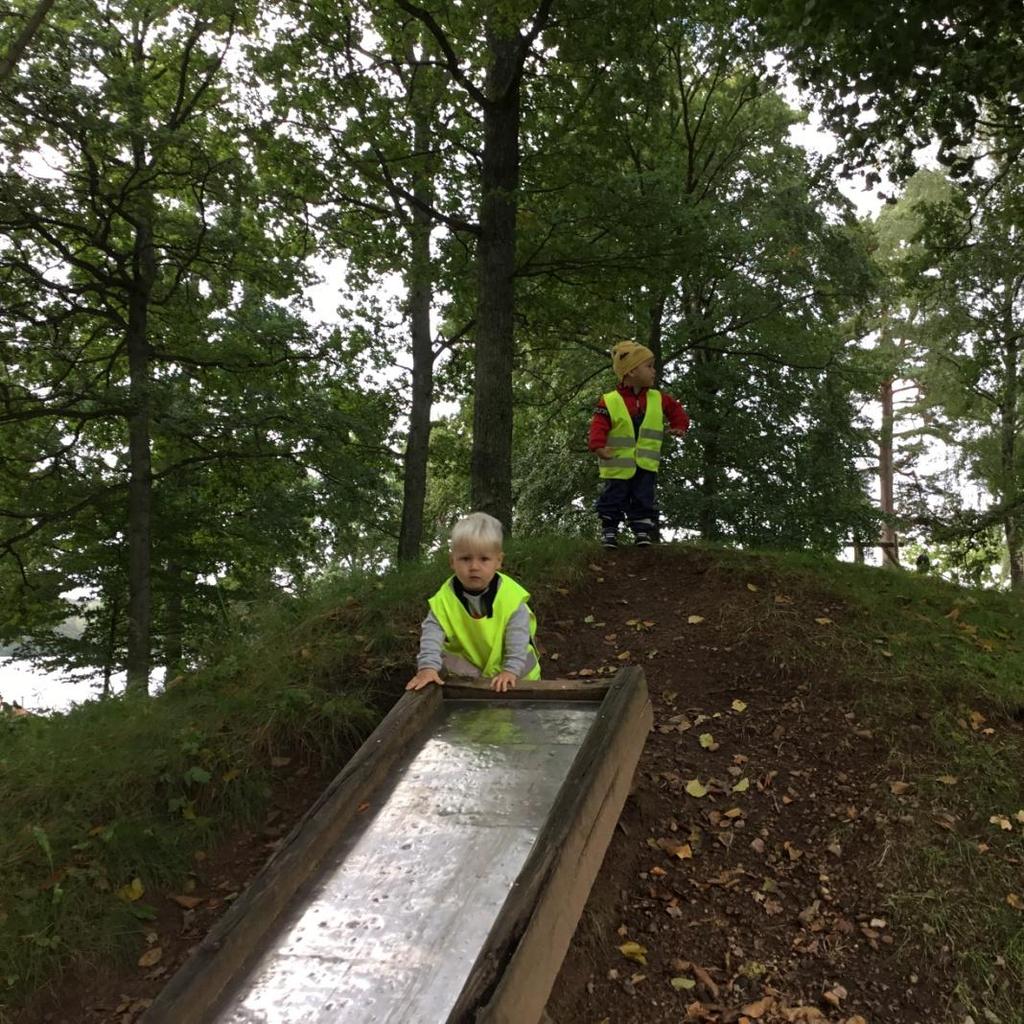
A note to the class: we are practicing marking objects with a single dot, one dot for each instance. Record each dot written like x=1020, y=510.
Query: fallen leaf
x=588, y=618
x=134, y=890
x=188, y=902
x=280, y=762
x=634, y=951
x=1002, y=821
x=948, y=780
x=683, y=983
x=694, y=619
x=759, y=1008
x=898, y=788
x=977, y=720
x=734, y=812
x=738, y=705
x=706, y=980
x=752, y=587
x=783, y=599
x=823, y=620
x=151, y=957
x=803, y=1014
x=1015, y=901
x=742, y=786
x=696, y=789
x=706, y=740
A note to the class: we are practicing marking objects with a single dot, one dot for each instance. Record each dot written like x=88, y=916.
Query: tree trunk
x=1012, y=526
x=491, y=458
x=888, y=540
x=656, y=317
x=114, y=605
x=140, y=480
x=420, y=284
x=174, y=624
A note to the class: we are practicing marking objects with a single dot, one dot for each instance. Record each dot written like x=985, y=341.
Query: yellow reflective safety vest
x=482, y=641
x=630, y=451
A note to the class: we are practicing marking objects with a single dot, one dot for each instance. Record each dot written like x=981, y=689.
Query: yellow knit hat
x=628, y=355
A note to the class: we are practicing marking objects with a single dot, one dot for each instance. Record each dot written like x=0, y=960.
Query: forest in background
x=509, y=188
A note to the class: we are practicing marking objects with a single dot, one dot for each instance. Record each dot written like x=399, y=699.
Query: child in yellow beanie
x=626, y=432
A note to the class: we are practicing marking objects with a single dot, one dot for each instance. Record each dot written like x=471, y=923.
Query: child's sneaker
x=609, y=540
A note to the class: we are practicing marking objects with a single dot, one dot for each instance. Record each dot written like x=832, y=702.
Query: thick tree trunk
x=140, y=480
x=888, y=540
x=491, y=458
x=420, y=285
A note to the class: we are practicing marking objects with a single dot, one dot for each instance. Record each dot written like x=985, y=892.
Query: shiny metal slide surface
x=389, y=929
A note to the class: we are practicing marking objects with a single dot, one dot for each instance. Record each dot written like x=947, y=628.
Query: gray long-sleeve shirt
x=516, y=652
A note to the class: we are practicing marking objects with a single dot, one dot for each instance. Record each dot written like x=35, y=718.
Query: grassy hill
x=889, y=706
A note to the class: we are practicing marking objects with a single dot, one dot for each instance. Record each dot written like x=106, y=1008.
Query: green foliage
x=892, y=77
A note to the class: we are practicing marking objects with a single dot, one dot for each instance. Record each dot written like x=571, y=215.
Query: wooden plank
x=192, y=994
x=530, y=689
x=512, y=978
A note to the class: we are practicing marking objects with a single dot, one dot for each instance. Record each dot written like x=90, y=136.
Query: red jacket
x=636, y=406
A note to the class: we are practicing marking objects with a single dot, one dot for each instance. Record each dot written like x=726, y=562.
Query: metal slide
x=397, y=917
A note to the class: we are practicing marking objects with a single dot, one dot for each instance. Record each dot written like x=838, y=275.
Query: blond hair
x=477, y=530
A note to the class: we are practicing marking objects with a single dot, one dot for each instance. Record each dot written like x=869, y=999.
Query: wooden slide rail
x=516, y=968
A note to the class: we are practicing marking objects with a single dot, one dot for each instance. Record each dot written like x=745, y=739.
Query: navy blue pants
x=633, y=500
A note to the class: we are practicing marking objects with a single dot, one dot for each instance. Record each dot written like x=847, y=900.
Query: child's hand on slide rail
x=423, y=678
x=504, y=681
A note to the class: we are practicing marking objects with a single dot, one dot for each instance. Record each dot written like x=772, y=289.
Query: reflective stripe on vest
x=629, y=451
x=482, y=641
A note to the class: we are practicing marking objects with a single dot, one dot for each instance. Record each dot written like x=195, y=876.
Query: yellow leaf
x=151, y=957
x=898, y=788
x=694, y=619
x=783, y=599
x=1002, y=821
x=752, y=587
x=738, y=705
x=623, y=655
x=188, y=902
x=684, y=852
x=742, y=786
x=695, y=788
x=977, y=720
x=634, y=951
x=683, y=983
x=734, y=812
x=706, y=740
x=1015, y=901
x=1020, y=816
x=132, y=891
x=823, y=620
